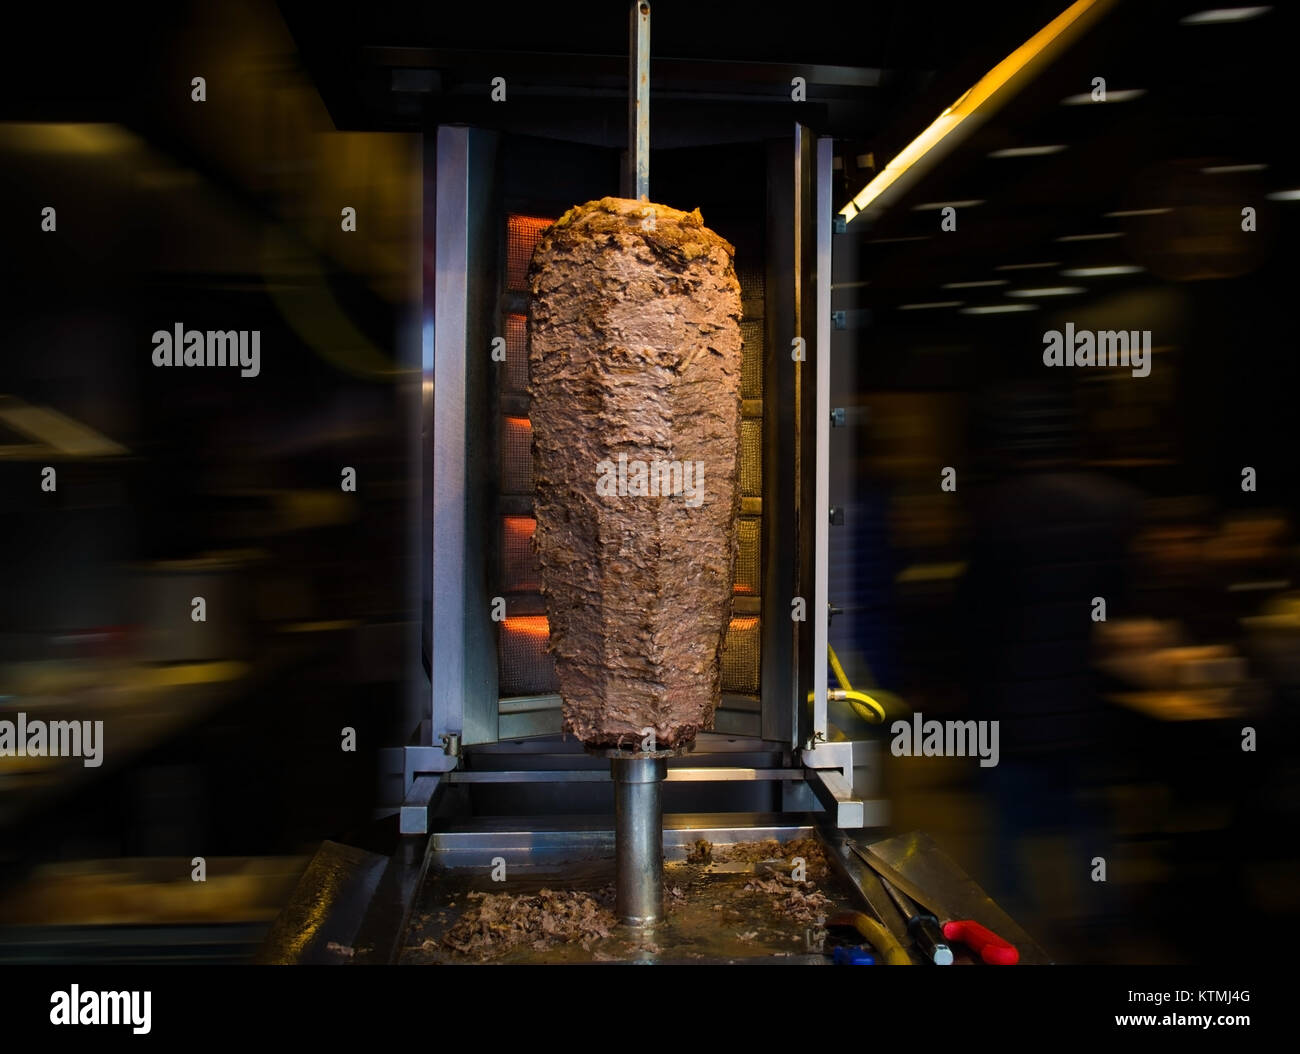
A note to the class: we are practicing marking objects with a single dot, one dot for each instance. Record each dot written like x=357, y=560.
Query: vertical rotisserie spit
x=635, y=363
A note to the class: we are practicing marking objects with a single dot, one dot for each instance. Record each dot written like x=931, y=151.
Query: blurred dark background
x=1121, y=739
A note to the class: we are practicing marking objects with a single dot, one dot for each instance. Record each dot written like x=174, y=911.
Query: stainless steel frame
x=459, y=845
x=465, y=712
x=452, y=269
x=821, y=360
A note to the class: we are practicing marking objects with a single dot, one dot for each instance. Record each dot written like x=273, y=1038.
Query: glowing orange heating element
x=519, y=529
x=538, y=627
x=519, y=564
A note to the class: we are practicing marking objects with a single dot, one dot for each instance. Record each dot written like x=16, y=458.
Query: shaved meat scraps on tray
x=502, y=921
x=795, y=900
x=808, y=849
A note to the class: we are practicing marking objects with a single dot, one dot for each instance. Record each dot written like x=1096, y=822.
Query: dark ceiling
x=719, y=71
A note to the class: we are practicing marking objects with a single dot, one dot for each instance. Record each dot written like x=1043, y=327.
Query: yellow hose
x=862, y=704
x=870, y=708
x=840, y=675
x=879, y=937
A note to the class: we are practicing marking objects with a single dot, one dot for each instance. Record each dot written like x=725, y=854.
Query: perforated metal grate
x=522, y=574
x=517, y=353
x=751, y=458
x=517, y=456
x=522, y=233
x=747, y=555
x=751, y=363
x=740, y=654
x=751, y=282
x=527, y=668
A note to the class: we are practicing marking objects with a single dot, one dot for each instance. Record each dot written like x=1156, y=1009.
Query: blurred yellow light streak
x=189, y=673
x=970, y=103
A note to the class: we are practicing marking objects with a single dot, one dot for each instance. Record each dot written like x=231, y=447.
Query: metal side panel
x=450, y=293
x=778, y=683
x=481, y=454
x=821, y=359
x=810, y=666
x=462, y=660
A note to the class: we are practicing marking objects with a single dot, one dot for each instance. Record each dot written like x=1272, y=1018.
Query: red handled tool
x=982, y=941
x=992, y=949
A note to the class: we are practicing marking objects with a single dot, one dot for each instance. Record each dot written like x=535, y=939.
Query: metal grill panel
x=751, y=282
x=522, y=575
x=740, y=653
x=527, y=668
x=747, y=556
x=522, y=233
x=751, y=458
x=751, y=368
x=517, y=456
x=517, y=353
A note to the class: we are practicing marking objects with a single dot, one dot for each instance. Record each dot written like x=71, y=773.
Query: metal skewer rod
x=638, y=101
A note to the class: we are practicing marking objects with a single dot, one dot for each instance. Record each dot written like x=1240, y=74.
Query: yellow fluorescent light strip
x=971, y=101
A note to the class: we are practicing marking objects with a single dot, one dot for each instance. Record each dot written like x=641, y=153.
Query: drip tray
x=731, y=896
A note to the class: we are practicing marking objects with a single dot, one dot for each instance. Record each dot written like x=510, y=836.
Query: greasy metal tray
x=711, y=914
